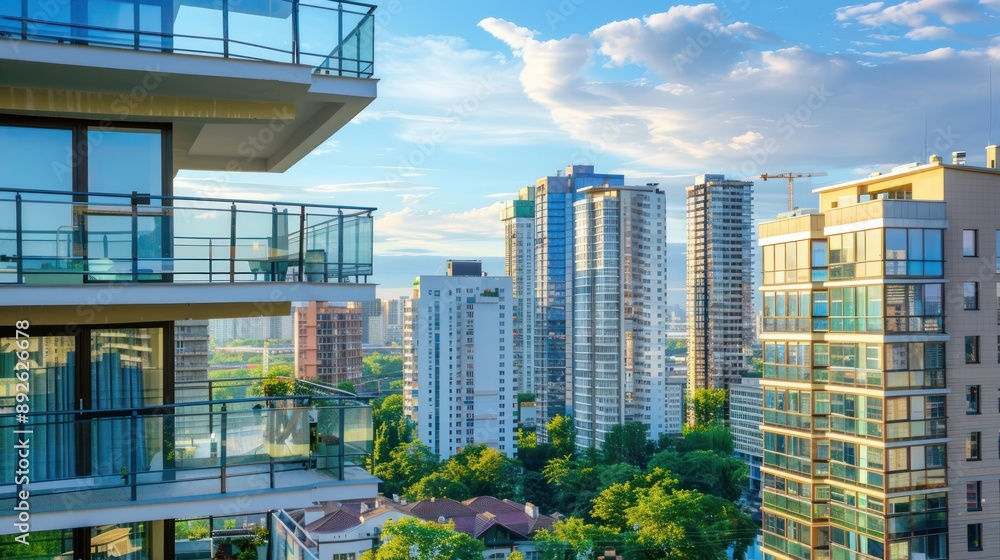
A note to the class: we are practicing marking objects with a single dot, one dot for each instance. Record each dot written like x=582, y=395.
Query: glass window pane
x=895, y=244
x=969, y=243
x=932, y=245
x=997, y=251
x=48, y=232
x=873, y=245
x=122, y=161
x=42, y=545
x=915, y=245
x=819, y=253
x=53, y=380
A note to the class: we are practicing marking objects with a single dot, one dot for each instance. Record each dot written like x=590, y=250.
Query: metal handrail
x=26, y=28
x=321, y=253
x=77, y=195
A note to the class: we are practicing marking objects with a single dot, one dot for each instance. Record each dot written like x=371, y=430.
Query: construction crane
x=791, y=183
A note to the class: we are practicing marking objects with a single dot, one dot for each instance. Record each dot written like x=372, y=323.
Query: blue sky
x=479, y=98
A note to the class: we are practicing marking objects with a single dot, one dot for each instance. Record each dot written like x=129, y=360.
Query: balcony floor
x=193, y=493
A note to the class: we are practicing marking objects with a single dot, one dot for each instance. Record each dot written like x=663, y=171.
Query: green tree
x=438, y=485
x=280, y=382
x=370, y=368
x=407, y=464
x=705, y=471
x=516, y=555
x=716, y=438
x=430, y=540
x=576, y=483
x=575, y=536
x=708, y=405
x=627, y=444
x=758, y=368
x=562, y=434
x=688, y=525
x=346, y=386
x=526, y=439
x=611, y=504
x=484, y=470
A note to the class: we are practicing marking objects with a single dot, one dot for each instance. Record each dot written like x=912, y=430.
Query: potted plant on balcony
x=259, y=535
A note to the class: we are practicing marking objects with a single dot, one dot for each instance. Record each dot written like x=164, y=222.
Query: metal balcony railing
x=182, y=450
x=334, y=37
x=73, y=238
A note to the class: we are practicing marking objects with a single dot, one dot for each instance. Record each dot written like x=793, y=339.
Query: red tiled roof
x=336, y=522
x=431, y=510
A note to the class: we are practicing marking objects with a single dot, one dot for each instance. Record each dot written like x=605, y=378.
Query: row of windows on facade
x=905, y=252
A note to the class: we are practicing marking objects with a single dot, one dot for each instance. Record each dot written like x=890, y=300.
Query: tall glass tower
x=554, y=198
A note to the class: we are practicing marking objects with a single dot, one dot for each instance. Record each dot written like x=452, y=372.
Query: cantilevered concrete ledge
x=125, y=302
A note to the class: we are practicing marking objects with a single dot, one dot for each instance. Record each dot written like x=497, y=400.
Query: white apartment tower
x=719, y=280
x=619, y=369
x=458, y=349
x=518, y=218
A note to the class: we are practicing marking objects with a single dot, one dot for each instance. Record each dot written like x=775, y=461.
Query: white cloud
x=931, y=33
x=412, y=199
x=937, y=54
x=774, y=106
x=911, y=13
x=386, y=186
x=745, y=140
x=848, y=13
x=462, y=233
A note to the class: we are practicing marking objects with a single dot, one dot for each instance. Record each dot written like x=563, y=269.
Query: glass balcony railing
x=289, y=540
x=334, y=37
x=183, y=450
x=72, y=238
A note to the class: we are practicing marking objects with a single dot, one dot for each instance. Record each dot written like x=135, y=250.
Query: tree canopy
x=429, y=540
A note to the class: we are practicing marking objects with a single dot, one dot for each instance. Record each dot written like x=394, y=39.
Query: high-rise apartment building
x=878, y=330
x=373, y=322
x=102, y=105
x=619, y=360
x=554, y=198
x=224, y=331
x=457, y=361
x=328, y=342
x=719, y=281
x=392, y=310
x=518, y=217
x=191, y=350
x=745, y=416
x=673, y=406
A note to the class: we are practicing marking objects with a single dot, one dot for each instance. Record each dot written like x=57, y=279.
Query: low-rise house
x=344, y=530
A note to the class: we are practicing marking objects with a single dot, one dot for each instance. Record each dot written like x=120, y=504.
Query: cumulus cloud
x=745, y=140
x=931, y=33
x=416, y=231
x=912, y=13
x=713, y=87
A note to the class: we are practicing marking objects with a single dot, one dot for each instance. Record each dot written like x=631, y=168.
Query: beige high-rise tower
x=878, y=331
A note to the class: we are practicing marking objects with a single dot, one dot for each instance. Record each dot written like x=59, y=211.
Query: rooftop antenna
x=925, y=136
x=989, y=132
